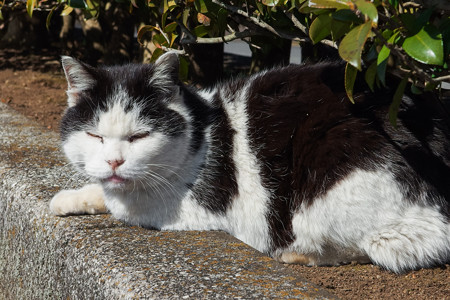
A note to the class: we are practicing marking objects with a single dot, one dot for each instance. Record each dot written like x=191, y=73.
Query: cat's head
x=125, y=125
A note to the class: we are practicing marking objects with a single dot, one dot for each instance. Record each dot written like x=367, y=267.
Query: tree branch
x=301, y=36
x=216, y=40
x=442, y=78
x=296, y=22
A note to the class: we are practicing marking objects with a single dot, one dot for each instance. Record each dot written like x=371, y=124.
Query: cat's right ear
x=167, y=67
x=78, y=78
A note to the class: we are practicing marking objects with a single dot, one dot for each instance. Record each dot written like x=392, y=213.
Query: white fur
x=247, y=215
x=89, y=199
x=366, y=215
x=207, y=94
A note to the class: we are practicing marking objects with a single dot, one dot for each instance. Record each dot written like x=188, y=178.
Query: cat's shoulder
x=298, y=87
x=301, y=76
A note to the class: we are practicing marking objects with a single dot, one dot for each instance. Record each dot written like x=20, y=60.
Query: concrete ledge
x=96, y=257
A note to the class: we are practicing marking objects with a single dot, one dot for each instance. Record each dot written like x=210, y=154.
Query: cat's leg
x=290, y=257
x=419, y=239
x=329, y=256
x=87, y=200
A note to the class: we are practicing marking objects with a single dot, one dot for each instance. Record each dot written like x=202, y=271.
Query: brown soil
x=34, y=86
x=370, y=282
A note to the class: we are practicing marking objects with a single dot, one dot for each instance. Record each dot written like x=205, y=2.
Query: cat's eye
x=138, y=136
x=95, y=136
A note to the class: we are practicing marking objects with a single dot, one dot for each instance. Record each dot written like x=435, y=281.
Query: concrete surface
x=96, y=257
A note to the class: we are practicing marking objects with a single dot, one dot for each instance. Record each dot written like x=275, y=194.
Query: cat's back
x=306, y=135
x=299, y=97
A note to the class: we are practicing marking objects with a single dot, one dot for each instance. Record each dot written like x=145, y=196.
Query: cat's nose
x=115, y=163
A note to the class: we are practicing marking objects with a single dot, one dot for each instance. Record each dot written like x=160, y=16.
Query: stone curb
x=96, y=257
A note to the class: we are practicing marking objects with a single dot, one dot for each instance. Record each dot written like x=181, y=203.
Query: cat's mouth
x=115, y=179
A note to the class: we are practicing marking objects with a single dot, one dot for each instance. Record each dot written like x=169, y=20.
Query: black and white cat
x=281, y=160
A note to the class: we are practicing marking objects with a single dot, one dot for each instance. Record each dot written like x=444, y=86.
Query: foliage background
x=410, y=39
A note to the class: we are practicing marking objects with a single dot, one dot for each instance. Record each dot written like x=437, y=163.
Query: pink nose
x=115, y=163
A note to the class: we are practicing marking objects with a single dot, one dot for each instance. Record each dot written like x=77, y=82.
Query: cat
x=282, y=160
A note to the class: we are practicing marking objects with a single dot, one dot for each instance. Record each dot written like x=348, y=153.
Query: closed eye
x=95, y=136
x=138, y=136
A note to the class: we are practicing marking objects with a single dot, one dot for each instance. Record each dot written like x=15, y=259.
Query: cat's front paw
x=87, y=200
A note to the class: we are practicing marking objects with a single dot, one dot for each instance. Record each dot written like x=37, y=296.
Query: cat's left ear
x=167, y=67
x=78, y=78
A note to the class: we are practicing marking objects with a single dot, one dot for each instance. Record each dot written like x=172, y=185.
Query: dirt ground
x=34, y=85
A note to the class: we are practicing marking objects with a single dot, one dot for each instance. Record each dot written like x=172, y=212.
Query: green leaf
x=31, y=4
x=328, y=4
x=382, y=61
x=339, y=29
x=67, y=10
x=200, y=30
x=222, y=16
x=160, y=40
x=346, y=15
x=370, y=75
x=184, y=68
x=320, y=28
x=350, y=77
x=186, y=14
x=352, y=44
x=77, y=3
x=368, y=9
x=426, y=46
x=311, y=10
x=260, y=7
x=93, y=9
x=165, y=6
x=156, y=53
x=201, y=6
x=387, y=34
x=170, y=27
x=393, y=3
x=383, y=57
x=172, y=39
x=270, y=2
x=49, y=17
x=381, y=69
x=143, y=30
x=396, y=101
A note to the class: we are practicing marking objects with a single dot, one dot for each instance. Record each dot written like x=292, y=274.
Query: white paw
x=87, y=200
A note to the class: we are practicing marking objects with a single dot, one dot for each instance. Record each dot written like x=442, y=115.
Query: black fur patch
x=218, y=183
x=308, y=136
x=202, y=115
